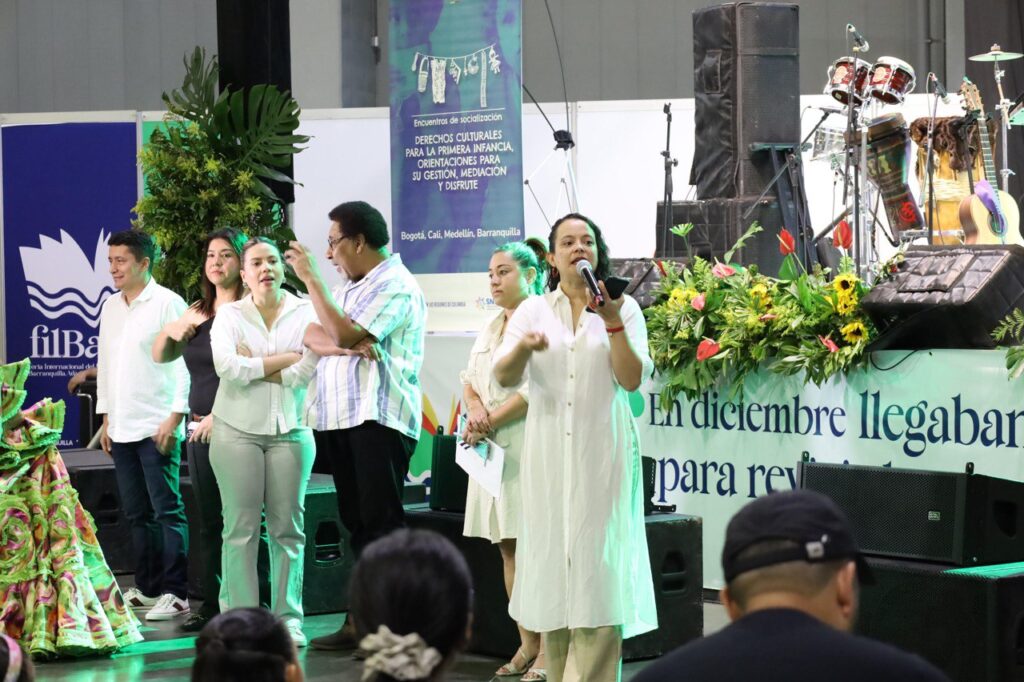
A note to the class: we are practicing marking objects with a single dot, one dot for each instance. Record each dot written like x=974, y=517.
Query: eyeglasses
x=331, y=242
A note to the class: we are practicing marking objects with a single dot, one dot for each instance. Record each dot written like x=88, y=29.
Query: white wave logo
x=62, y=280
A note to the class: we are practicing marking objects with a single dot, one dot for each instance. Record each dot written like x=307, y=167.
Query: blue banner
x=66, y=188
x=456, y=131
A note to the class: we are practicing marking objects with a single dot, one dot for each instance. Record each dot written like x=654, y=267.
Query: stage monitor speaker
x=675, y=553
x=718, y=223
x=947, y=296
x=448, y=481
x=747, y=90
x=92, y=475
x=967, y=622
x=953, y=518
x=328, y=559
x=644, y=275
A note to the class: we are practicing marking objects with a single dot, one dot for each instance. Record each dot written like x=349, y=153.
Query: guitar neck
x=986, y=152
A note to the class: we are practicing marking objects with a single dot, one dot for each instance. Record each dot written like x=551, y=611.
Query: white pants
x=257, y=473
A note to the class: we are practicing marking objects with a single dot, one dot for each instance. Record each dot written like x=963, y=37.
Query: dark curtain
x=254, y=47
x=988, y=22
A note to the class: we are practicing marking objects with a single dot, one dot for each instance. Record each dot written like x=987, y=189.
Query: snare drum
x=839, y=75
x=891, y=80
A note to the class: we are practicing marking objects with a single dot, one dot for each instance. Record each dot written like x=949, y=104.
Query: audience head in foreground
x=245, y=645
x=411, y=601
x=793, y=572
x=795, y=550
x=15, y=666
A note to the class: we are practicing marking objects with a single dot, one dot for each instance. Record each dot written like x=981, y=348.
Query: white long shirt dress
x=487, y=517
x=581, y=557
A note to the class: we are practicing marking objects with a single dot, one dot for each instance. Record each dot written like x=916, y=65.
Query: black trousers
x=211, y=529
x=369, y=464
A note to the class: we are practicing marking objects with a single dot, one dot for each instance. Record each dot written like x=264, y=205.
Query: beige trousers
x=596, y=654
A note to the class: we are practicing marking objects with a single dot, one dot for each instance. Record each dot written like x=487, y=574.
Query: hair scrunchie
x=403, y=657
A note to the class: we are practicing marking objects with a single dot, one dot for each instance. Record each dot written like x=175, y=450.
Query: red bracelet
x=614, y=330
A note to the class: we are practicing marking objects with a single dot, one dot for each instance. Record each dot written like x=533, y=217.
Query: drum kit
x=876, y=145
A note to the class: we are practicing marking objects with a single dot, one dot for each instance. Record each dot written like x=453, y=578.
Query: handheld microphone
x=939, y=88
x=587, y=273
x=858, y=39
x=829, y=110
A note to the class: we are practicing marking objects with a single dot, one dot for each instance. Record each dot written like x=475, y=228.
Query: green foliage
x=209, y=169
x=1010, y=332
x=746, y=321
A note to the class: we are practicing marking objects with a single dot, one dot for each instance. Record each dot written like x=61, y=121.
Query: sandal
x=510, y=669
x=535, y=675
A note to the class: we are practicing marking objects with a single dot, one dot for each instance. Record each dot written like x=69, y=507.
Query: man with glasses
x=368, y=400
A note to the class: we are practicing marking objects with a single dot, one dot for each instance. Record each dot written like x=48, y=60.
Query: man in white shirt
x=143, y=404
x=369, y=401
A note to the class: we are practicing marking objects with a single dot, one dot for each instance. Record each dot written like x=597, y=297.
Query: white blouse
x=244, y=400
x=581, y=558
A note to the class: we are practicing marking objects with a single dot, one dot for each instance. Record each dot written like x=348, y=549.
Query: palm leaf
x=196, y=99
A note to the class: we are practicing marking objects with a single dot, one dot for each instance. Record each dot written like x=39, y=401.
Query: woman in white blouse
x=583, y=576
x=261, y=452
x=516, y=271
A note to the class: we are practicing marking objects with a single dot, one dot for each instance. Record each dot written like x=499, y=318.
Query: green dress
x=58, y=597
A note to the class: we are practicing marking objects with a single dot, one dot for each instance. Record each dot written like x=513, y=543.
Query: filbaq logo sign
x=61, y=281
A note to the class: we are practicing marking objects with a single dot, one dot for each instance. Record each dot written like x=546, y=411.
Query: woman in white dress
x=583, y=576
x=516, y=271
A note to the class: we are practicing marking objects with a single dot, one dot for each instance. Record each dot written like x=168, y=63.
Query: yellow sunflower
x=854, y=331
x=844, y=282
x=846, y=304
x=759, y=292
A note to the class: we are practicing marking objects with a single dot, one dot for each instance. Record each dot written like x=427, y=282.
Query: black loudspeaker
x=718, y=223
x=747, y=90
x=328, y=559
x=448, y=481
x=968, y=622
x=92, y=475
x=947, y=296
x=644, y=274
x=954, y=518
x=253, y=48
x=674, y=546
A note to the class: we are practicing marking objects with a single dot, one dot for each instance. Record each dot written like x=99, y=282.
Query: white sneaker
x=167, y=607
x=298, y=636
x=134, y=598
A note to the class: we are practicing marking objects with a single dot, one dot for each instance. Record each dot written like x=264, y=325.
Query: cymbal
x=996, y=54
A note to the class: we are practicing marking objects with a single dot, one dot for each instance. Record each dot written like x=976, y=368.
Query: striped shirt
x=389, y=304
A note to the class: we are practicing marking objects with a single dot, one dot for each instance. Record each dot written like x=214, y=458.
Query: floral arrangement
x=718, y=322
x=208, y=168
x=1010, y=333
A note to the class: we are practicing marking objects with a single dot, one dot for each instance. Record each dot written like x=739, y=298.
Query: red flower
x=698, y=302
x=721, y=270
x=786, y=243
x=842, y=236
x=706, y=349
x=829, y=343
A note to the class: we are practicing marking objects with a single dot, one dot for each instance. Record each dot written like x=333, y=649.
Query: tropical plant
x=715, y=323
x=1010, y=332
x=208, y=168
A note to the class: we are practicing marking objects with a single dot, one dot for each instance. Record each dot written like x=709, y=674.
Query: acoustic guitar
x=998, y=222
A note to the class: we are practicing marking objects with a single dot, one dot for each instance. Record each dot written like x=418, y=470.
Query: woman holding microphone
x=516, y=271
x=583, y=575
x=261, y=452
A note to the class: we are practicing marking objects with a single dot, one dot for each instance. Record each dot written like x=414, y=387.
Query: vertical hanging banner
x=66, y=188
x=456, y=131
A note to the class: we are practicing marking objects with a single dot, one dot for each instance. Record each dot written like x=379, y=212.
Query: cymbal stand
x=1004, y=124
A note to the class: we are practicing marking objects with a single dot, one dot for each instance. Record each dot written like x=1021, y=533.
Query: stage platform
x=167, y=655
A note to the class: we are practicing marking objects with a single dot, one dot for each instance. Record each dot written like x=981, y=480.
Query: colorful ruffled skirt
x=58, y=597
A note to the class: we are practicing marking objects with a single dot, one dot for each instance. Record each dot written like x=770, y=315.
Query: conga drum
x=888, y=163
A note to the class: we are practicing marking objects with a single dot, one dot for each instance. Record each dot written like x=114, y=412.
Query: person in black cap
x=791, y=568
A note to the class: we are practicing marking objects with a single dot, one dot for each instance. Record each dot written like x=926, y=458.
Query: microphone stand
x=930, y=168
x=851, y=137
x=667, y=211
